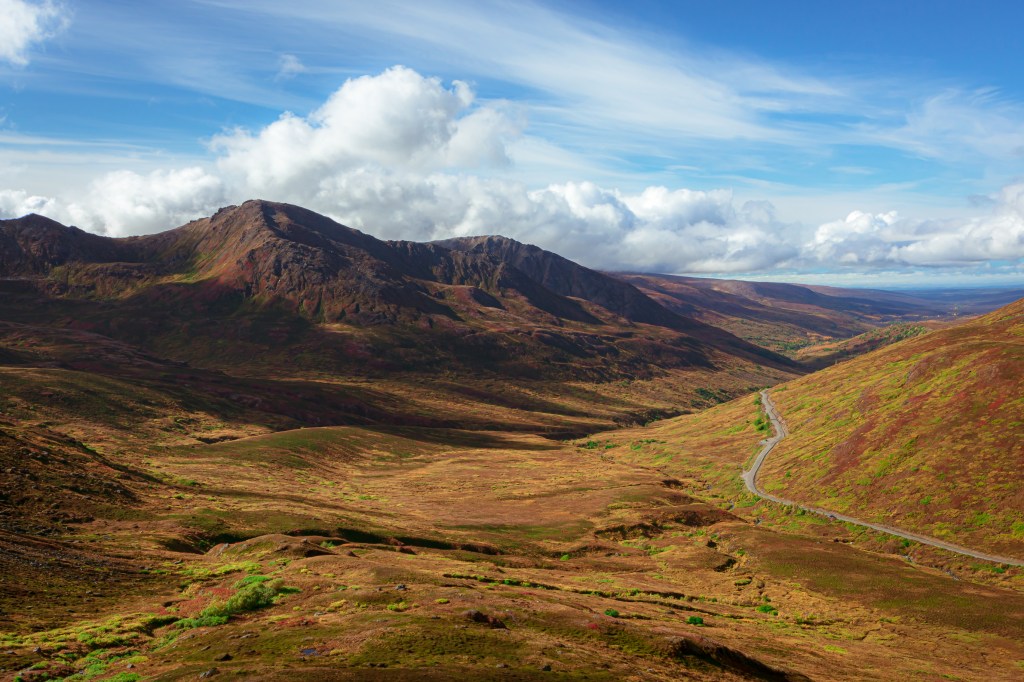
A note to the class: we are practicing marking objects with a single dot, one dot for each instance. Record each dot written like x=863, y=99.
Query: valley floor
x=412, y=553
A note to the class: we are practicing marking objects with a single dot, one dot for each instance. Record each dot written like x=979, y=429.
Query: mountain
x=789, y=317
x=613, y=293
x=267, y=289
x=924, y=434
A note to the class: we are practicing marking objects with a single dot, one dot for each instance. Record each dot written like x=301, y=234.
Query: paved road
x=750, y=479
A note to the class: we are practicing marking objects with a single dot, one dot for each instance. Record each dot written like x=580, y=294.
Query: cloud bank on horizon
x=562, y=159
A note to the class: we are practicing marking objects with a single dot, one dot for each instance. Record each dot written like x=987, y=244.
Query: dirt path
x=750, y=479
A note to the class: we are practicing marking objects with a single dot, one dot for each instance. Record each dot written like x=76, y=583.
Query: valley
x=266, y=446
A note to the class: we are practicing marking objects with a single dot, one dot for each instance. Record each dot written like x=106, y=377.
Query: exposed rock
x=730, y=659
x=479, y=617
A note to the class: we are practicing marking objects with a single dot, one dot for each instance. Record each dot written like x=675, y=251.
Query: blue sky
x=865, y=142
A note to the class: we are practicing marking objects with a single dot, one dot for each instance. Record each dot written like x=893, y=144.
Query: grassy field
x=365, y=552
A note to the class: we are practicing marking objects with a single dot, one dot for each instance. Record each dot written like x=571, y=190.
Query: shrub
x=695, y=620
x=251, y=579
x=251, y=596
x=611, y=612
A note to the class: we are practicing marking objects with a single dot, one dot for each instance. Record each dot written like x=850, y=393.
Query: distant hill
x=924, y=434
x=789, y=317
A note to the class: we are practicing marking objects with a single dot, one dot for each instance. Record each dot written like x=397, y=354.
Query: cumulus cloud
x=23, y=24
x=398, y=119
x=391, y=154
x=888, y=239
x=16, y=202
x=124, y=203
x=657, y=229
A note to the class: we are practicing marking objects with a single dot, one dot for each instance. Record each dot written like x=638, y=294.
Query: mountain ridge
x=258, y=257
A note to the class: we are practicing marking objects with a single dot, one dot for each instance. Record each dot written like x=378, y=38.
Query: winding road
x=750, y=479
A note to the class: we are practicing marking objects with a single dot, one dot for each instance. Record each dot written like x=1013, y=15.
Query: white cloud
x=956, y=125
x=23, y=24
x=124, y=203
x=656, y=230
x=15, y=203
x=289, y=66
x=886, y=239
x=390, y=154
x=397, y=119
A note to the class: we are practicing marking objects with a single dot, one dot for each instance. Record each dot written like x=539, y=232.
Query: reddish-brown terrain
x=265, y=446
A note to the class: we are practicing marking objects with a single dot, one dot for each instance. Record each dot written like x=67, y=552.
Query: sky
x=871, y=143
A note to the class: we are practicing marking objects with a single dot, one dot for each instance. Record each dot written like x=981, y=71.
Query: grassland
x=371, y=552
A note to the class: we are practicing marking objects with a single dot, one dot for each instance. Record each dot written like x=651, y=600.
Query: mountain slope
x=570, y=279
x=924, y=434
x=273, y=289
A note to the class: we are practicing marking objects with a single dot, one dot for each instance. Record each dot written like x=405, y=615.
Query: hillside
x=399, y=553
x=274, y=288
x=831, y=352
x=923, y=434
x=787, y=318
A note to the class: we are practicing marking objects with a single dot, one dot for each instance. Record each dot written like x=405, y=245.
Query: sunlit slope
x=926, y=434
x=438, y=554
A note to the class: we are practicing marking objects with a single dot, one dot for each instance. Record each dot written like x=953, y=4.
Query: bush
x=251, y=596
x=695, y=620
x=611, y=612
x=251, y=579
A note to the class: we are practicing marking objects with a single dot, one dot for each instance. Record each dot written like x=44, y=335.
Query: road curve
x=750, y=479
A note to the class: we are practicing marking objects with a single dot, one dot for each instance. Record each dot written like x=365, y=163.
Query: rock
x=478, y=617
x=731, y=659
x=401, y=587
x=546, y=667
x=206, y=674
x=224, y=657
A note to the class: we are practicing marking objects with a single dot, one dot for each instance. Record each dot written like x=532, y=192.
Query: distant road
x=750, y=479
